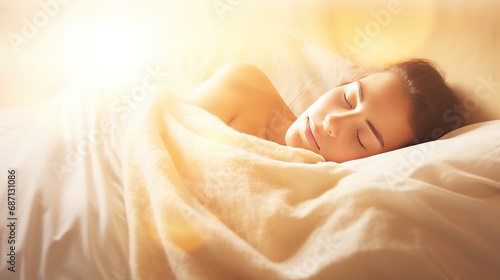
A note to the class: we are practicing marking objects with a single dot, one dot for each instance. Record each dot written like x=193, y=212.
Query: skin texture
x=244, y=98
x=343, y=125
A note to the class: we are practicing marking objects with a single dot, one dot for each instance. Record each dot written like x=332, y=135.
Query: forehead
x=385, y=83
x=388, y=107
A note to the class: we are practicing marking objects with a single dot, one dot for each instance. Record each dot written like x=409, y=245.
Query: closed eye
x=359, y=140
x=347, y=101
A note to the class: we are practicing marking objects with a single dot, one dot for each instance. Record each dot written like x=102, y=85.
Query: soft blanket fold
x=191, y=180
x=206, y=202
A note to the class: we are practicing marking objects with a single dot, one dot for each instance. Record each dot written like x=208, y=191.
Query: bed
x=154, y=188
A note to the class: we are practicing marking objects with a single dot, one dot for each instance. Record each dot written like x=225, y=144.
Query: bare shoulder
x=242, y=96
x=234, y=90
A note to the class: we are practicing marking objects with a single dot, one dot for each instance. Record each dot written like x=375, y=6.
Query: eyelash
x=359, y=140
x=346, y=101
x=357, y=131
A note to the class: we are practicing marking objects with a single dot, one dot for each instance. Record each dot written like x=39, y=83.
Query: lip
x=309, y=133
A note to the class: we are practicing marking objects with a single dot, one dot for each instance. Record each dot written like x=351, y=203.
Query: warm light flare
x=111, y=51
x=383, y=32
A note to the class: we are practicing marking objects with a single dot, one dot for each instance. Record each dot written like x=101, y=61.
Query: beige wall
x=461, y=36
x=466, y=42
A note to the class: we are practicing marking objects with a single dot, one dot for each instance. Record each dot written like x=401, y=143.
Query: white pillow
x=466, y=160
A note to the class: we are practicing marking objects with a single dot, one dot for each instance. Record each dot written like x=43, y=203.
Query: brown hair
x=430, y=98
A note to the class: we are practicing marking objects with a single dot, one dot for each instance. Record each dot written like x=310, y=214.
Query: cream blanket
x=206, y=202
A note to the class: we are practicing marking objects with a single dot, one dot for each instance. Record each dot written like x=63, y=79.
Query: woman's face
x=364, y=118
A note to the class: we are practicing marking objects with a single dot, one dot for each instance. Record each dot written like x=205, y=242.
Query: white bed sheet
x=70, y=214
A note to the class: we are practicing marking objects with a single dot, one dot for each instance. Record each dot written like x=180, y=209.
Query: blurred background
x=46, y=45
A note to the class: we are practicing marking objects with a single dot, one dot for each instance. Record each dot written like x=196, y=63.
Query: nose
x=328, y=125
x=334, y=123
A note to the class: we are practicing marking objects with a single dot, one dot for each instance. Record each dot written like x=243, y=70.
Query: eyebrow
x=375, y=131
x=370, y=125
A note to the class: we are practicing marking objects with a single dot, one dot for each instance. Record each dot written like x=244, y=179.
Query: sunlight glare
x=111, y=51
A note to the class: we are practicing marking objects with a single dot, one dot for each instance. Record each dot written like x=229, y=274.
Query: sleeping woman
x=383, y=110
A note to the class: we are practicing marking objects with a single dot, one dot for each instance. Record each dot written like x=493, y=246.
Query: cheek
x=331, y=152
x=330, y=101
x=292, y=136
x=340, y=150
x=325, y=100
